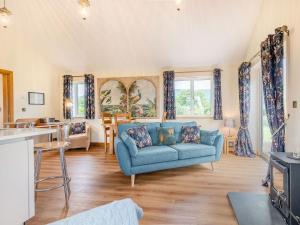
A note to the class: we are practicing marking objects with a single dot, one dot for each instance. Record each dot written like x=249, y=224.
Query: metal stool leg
x=65, y=178
x=37, y=167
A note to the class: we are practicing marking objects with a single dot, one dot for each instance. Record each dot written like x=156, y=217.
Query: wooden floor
x=187, y=196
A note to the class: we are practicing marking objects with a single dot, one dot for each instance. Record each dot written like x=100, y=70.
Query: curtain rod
x=283, y=29
x=195, y=71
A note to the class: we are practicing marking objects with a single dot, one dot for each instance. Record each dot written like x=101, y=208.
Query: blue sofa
x=161, y=157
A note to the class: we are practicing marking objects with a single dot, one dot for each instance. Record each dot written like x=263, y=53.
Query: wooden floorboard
x=187, y=196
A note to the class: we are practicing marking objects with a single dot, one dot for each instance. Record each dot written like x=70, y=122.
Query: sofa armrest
x=219, y=142
x=123, y=156
x=88, y=133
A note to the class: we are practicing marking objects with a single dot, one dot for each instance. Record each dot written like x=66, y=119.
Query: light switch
x=295, y=104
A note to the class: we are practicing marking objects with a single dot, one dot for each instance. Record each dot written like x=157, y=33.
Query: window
x=78, y=99
x=194, y=96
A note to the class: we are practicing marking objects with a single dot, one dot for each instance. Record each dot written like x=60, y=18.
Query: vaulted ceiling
x=135, y=35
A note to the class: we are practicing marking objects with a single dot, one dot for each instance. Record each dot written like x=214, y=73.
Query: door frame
x=8, y=95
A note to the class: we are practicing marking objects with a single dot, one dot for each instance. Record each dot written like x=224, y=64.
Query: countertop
x=16, y=133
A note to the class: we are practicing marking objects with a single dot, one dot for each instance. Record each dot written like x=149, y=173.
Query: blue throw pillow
x=141, y=136
x=190, y=134
x=166, y=136
x=130, y=143
x=208, y=137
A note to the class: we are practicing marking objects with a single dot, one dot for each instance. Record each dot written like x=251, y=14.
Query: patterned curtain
x=272, y=76
x=244, y=144
x=89, y=96
x=218, y=113
x=169, y=95
x=67, y=96
x=272, y=52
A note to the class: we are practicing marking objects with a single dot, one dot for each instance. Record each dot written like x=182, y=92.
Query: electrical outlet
x=295, y=104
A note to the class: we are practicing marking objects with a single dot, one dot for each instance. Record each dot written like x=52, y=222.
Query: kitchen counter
x=10, y=134
x=17, y=190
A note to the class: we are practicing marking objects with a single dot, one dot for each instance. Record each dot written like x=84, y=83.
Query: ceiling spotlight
x=4, y=16
x=84, y=8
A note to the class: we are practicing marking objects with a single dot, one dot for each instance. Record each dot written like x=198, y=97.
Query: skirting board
x=254, y=209
x=97, y=144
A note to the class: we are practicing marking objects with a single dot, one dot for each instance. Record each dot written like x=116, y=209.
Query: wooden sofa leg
x=132, y=180
x=212, y=166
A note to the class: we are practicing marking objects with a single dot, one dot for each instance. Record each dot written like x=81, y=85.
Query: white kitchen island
x=17, y=203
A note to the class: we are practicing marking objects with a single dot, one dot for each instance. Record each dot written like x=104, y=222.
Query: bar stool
x=61, y=145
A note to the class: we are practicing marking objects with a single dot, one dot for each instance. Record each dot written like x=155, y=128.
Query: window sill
x=195, y=117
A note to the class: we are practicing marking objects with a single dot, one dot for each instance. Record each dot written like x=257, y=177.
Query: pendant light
x=4, y=16
x=84, y=8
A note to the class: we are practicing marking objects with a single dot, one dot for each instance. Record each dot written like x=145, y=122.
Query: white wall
x=229, y=96
x=276, y=13
x=31, y=73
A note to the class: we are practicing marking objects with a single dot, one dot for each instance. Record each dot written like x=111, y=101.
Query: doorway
x=6, y=96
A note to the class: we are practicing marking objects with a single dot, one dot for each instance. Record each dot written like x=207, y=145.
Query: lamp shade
x=229, y=122
x=68, y=103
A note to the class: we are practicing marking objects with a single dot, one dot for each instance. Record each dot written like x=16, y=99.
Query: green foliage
x=185, y=106
x=81, y=106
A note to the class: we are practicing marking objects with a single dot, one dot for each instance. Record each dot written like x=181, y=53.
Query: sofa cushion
x=189, y=150
x=151, y=127
x=154, y=154
x=208, y=137
x=141, y=136
x=77, y=128
x=130, y=143
x=177, y=127
x=166, y=136
x=190, y=134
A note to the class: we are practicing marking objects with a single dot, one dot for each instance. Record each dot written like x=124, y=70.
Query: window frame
x=75, y=99
x=192, y=79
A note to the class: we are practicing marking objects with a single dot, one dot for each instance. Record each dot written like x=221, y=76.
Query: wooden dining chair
x=121, y=118
x=107, y=126
x=164, y=117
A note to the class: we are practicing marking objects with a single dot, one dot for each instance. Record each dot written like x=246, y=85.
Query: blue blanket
x=123, y=212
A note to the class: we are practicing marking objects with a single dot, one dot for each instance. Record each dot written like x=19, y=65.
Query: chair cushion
x=166, y=136
x=154, y=154
x=141, y=136
x=177, y=128
x=77, y=128
x=189, y=150
x=190, y=134
x=130, y=143
x=151, y=127
x=208, y=137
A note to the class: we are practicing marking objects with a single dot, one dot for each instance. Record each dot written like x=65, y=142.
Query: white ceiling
x=136, y=35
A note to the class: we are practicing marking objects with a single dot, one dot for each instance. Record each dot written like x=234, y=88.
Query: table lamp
x=230, y=123
x=69, y=106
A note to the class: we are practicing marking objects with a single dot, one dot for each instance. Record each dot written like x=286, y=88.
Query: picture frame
x=36, y=98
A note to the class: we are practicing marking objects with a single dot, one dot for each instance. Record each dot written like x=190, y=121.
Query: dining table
x=52, y=125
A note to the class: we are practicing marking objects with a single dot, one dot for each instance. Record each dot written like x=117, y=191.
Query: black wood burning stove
x=285, y=186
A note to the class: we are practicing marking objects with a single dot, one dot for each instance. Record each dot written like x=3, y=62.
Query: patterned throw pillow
x=190, y=134
x=141, y=136
x=166, y=136
x=77, y=128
